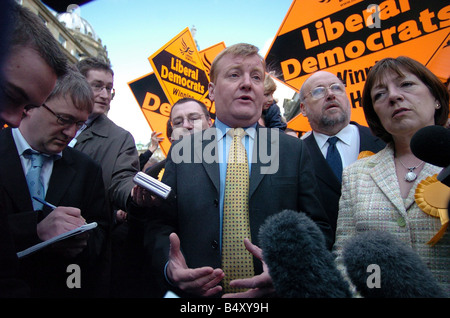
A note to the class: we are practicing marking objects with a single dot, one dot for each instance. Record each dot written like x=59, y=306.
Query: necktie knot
x=36, y=158
x=237, y=153
x=237, y=132
x=333, y=140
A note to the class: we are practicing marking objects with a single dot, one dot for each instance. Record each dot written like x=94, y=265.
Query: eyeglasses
x=191, y=118
x=98, y=87
x=64, y=121
x=320, y=91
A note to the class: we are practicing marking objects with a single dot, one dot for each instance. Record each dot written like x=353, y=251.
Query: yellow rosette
x=364, y=154
x=433, y=197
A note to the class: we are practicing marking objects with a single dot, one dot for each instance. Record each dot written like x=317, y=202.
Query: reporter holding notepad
x=69, y=180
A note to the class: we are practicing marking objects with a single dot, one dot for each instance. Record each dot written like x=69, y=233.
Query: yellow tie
x=237, y=262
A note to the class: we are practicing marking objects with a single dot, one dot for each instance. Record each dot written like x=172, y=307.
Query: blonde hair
x=269, y=85
x=240, y=49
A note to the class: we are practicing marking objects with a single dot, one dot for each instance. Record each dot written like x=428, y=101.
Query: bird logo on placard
x=185, y=49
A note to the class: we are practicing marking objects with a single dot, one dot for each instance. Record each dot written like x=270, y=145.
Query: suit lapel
x=204, y=148
x=12, y=172
x=85, y=135
x=386, y=180
x=255, y=174
x=266, y=147
x=367, y=141
x=98, y=127
x=61, y=178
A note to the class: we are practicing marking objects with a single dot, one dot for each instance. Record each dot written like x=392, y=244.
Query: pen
x=44, y=202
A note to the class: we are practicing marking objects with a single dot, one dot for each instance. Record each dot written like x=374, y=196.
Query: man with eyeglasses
x=115, y=150
x=323, y=100
x=69, y=180
x=188, y=116
x=104, y=141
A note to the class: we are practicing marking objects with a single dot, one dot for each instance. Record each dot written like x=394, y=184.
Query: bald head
x=324, y=102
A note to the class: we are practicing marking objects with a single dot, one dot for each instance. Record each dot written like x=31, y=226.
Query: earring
x=438, y=106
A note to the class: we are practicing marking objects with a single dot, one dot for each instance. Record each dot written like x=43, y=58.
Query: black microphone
x=401, y=272
x=299, y=262
x=432, y=144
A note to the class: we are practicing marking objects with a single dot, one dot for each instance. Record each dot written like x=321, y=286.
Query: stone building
x=76, y=36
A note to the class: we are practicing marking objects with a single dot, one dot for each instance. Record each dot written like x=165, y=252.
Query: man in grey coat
x=113, y=148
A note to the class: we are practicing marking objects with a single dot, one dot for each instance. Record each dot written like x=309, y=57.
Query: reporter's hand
x=144, y=198
x=60, y=220
x=201, y=281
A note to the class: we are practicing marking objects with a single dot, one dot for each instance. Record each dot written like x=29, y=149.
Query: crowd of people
x=227, y=176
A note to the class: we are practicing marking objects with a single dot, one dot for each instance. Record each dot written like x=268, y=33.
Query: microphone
x=432, y=144
x=381, y=266
x=299, y=262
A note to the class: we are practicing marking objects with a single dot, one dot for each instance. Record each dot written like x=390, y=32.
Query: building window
x=62, y=40
x=77, y=54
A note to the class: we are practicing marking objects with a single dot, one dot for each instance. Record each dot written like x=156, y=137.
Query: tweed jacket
x=371, y=200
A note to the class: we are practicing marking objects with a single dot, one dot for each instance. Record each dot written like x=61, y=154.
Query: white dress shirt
x=348, y=144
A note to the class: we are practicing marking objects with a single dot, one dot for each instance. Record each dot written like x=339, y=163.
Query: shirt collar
x=22, y=145
x=223, y=129
x=344, y=135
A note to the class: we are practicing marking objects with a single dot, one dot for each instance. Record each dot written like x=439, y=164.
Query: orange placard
x=154, y=105
x=179, y=68
x=153, y=101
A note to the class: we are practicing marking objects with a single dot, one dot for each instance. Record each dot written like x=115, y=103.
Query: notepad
x=57, y=238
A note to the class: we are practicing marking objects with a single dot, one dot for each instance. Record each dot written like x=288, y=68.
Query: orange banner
x=347, y=37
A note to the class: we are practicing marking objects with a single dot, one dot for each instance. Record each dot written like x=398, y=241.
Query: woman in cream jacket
x=400, y=97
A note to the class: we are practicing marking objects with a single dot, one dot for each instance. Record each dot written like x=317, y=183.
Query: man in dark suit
x=186, y=234
x=326, y=105
x=71, y=181
x=30, y=60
